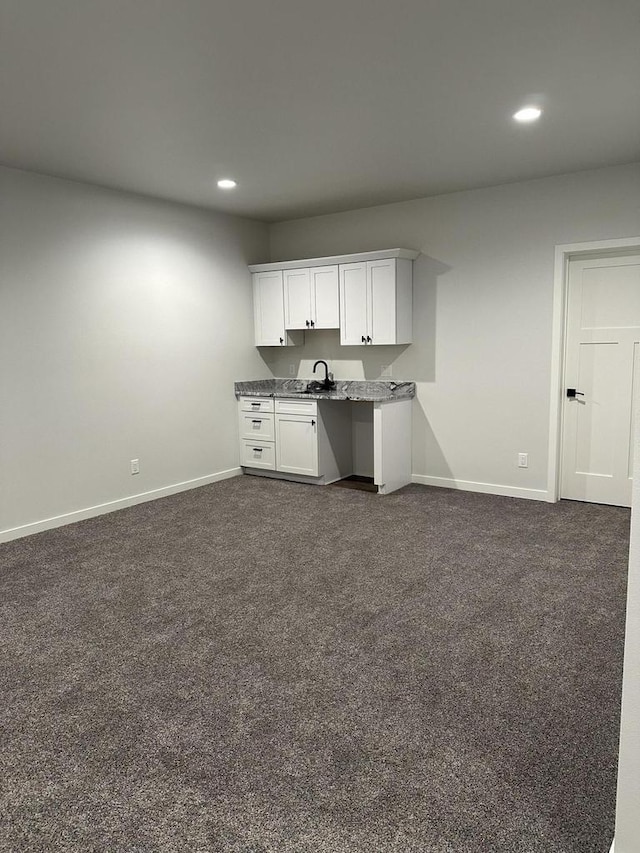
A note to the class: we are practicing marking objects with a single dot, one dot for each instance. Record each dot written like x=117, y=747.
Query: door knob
x=364, y=340
x=572, y=393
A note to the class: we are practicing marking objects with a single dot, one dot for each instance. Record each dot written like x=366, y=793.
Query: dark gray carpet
x=263, y=666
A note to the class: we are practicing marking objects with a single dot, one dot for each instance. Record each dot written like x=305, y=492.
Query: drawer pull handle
x=257, y=421
x=258, y=449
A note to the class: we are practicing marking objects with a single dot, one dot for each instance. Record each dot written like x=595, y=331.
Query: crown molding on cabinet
x=381, y=254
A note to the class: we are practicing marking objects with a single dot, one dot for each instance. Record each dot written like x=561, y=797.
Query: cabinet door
x=353, y=304
x=297, y=299
x=381, y=287
x=297, y=444
x=268, y=309
x=325, y=300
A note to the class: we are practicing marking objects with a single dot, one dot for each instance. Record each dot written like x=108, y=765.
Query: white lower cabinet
x=321, y=441
x=297, y=437
x=292, y=439
x=297, y=444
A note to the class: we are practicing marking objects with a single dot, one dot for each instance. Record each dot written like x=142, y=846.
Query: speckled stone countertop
x=356, y=389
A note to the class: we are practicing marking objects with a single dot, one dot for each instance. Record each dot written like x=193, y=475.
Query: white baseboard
x=484, y=488
x=112, y=506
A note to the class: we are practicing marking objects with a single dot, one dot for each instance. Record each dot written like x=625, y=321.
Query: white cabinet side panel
x=381, y=277
x=392, y=445
x=404, y=301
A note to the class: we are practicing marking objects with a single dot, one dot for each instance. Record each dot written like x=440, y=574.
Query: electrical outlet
x=523, y=460
x=386, y=370
x=292, y=370
x=135, y=466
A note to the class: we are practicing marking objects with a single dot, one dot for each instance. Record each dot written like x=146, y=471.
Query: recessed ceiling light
x=227, y=184
x=528, y=114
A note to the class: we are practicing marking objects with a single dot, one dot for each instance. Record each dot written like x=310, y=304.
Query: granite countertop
x=350, y=389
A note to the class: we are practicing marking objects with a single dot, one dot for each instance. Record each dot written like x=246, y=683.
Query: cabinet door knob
x=307, y=322
x=313, y=423
x=312, y=324
x=364, y=340
x=281, y=340
x=368, y=339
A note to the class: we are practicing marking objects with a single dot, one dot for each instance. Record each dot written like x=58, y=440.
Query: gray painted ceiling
x=315, y=106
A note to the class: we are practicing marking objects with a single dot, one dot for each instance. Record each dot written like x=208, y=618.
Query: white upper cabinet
x=268, y=309
x=353, y=304
x=376, y=302
x=297, y=299
x=311, y=298
x=368, y=296
x=325, y=302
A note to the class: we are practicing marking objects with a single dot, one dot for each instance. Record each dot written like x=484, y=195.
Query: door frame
x=564, y=253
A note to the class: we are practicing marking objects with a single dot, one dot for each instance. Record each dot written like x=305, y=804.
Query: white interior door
x=601, y=365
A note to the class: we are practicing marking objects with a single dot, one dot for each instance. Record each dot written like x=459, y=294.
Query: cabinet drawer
x=256, y=404
x=256, y=426
x=297, y=407
x=258, y=454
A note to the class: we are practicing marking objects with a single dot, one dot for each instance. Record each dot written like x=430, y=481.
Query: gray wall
x=124, y=322
x=482, y=312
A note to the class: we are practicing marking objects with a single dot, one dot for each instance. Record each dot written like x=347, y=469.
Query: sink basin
x=317, y=388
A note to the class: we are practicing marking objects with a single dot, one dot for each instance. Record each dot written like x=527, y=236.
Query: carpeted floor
x=263, y=667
